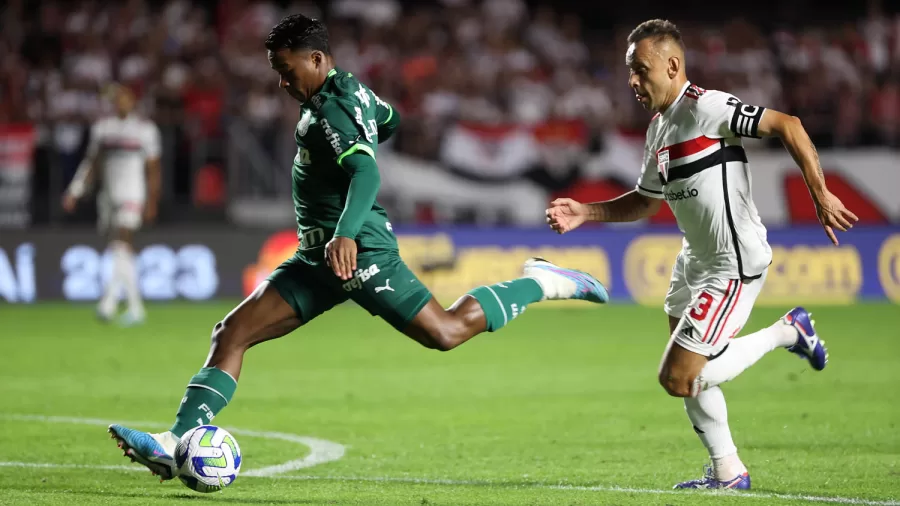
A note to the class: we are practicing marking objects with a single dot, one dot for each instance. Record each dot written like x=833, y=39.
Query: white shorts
x=117, y=215
x=712, y=310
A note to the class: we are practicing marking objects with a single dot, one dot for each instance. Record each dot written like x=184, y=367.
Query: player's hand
x=833, y=215
x=340, y=253
x=566, y=215
x=150, y=211
x=69, y=203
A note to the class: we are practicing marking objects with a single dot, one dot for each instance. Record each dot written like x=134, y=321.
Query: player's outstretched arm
x=364, y=184
x=565, y=215
x=830, y=210
x=83, y=179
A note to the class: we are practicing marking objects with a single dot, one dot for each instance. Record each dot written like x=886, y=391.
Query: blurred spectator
x=501, y=62
x=478, y=60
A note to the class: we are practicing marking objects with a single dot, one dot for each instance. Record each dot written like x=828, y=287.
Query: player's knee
x=225, y=335
x=434, y=334
x=441, y=340
x=675, y=384
x=218, y=334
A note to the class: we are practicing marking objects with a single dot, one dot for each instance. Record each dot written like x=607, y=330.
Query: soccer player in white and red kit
x=694, y=160
x=124, y=148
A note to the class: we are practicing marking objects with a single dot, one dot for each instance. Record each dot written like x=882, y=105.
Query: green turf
x=560, y=397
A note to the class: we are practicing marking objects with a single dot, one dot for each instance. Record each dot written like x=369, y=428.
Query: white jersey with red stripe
x=694, y=160
x=122, y=147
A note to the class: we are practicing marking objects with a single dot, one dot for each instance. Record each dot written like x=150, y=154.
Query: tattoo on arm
x=818, y=163
x=628, y=207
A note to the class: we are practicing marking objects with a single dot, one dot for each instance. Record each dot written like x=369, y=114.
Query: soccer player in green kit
x=347, y=247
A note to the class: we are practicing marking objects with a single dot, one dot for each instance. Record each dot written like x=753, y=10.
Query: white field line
x=275, y=472
x=501, y=484
x=320, y=450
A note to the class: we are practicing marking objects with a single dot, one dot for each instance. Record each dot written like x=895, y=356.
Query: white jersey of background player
x=695, y=161
x=124, y=148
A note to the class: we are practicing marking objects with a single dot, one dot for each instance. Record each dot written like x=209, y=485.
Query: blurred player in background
x=347, y=251
x=123, y=153
x=694, y=160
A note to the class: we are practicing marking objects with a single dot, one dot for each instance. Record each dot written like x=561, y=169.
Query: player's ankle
x=728, y=466
x=786, y=335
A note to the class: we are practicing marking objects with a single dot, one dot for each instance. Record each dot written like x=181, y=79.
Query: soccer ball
x=208, y=458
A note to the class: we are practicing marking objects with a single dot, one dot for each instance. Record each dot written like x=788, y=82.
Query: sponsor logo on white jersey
x=686, y=193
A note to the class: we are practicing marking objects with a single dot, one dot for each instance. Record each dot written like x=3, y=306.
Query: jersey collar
x=677, y=100
x=316, y=100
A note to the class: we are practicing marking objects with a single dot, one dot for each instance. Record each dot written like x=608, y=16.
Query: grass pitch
x=560, y=408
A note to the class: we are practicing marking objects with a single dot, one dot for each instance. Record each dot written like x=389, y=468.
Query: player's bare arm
x=830, y=210
x=83, y=180
x=565, y=215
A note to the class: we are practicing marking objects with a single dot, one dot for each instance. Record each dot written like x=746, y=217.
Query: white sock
x=109, y=303
x=709, y=415
x=744, y=352
x=168, y=441
x=124, y=267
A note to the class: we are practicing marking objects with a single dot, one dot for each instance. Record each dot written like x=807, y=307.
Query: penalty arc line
x=502, y=484
x=322, y=451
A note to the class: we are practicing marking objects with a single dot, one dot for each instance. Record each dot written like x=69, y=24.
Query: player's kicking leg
x=262, y=316
x=393, y=292
x=389, y=289
x=489, y=308
x=701, y=355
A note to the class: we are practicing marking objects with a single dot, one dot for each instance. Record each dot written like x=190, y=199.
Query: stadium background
x=505, y=105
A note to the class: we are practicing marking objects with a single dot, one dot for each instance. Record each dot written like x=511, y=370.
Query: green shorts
x=382, y=284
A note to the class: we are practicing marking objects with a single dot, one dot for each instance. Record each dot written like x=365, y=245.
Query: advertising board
x=635, y=263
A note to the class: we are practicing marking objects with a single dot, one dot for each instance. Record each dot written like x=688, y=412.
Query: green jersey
x=344, y=118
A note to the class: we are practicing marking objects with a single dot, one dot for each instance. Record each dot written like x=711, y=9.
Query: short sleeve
x=348, y=127
x=722, y=115
x=152, y=142
x=383, y=110
x=649, y=184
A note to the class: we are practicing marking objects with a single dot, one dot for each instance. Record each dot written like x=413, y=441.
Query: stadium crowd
x=484, y=61
x=490, y=61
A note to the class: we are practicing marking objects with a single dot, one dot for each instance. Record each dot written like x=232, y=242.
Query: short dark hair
x=656, y=29
x=298, y=32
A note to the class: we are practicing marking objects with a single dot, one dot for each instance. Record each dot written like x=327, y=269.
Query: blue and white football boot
x=153, y=451
x=709, y=481
x=559, y=283
x=808, y=344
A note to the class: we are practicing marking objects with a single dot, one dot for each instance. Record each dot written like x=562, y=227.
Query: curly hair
x=298, y=32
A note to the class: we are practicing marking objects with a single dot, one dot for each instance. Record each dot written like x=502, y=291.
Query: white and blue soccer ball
x=208, y=458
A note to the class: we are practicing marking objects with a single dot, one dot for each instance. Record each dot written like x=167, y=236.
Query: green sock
x=208, y=392
x=501, y=302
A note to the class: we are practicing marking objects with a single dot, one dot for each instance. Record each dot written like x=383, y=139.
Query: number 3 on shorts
x=704, y=301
